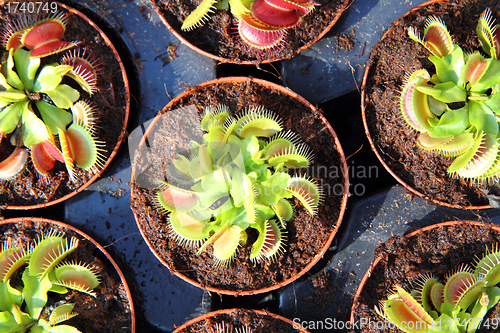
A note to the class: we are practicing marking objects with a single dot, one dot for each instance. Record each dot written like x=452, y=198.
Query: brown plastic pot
x=268, y=87
x=180, y=35
x=365, y=100
x=51, y=224
x=237, y=312
x=427, y=229
x=125, y=115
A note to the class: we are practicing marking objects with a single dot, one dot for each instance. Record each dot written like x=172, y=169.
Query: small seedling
x=28, y=274
x=456, y=109
x=262, y=24
x=46, y=118
x=237, y=179
x=458, y=306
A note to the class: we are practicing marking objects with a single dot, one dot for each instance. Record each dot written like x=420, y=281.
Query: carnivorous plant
x=28, y=273
x=262, y=24
x=40, y=102
x=458, y=306
x=456, y=109
x=234, y=180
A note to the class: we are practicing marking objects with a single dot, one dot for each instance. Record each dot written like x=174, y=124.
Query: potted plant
x=249, y=32
x=57, y=279
x=218, y=218
x=239, y=320
x=56, y=108
x=446, y=273
x=395, y=106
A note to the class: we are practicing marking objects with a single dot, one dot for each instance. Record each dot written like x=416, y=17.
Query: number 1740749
x=31, y=7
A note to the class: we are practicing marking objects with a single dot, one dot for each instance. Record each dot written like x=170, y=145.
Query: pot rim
x=376, y=151
x=343, y=7
x=319, y=255
x=368, y=273
x=95, y=243
x=125, y=120
x=229, y=311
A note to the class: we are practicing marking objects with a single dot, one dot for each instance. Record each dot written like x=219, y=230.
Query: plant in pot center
x=459, y=305
x=451, y=270
x=22, y=306
x=455, y=110
x=60, y=123
x=444, y=87
x=249, y=31
x=236, y=179
x=230, y=213
x=262, y=24
x=54, y=278
x=37, y=107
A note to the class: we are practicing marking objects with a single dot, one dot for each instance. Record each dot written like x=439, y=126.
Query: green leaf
x=217, y=181
x=242, y=187
x=53, y=116
x=240, y=7
x=50, y=77
x=26, y=67
x=13, y=96
x=35, y=293
x=444, y=324
x=447, y=92
x=264, y=212
x=12, y=77
x=452, y=122
x=9, y=117
x=9, y=296
x=3, y=83
x=482, y=118
x=63, y=96
x=21, y=317
x=274, y=188
x=241, y=219
x=35, y=130
x=494, y=103
x=490, y=78
x=9, y=324
x=448, y=68
x=62, y=329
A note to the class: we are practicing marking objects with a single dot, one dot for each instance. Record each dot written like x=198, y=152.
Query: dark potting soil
x=110, y=104
x=239, y=319
x=219, y=36
x=391, y=59
x=306, y=235
x=438, y=252
x=109, y=311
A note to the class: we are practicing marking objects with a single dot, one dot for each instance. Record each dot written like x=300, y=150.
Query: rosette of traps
x=457, y=306
x=29, y=273
x=43, y=112
x=237, y=178
x=261, y=24
x=456, y=109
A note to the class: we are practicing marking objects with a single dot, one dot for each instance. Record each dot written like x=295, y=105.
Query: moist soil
x=438, y=252
x=306, y=235
x=219, y=36
x=109, y=311
x=110, y=105
x=239, y=319
x=391, y=59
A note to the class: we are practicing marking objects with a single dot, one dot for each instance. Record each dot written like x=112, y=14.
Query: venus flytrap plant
x=457, y=109
x=262, y=24
x=237, y=179
x=22, y=304
x=44, y=116
x=458, y=306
